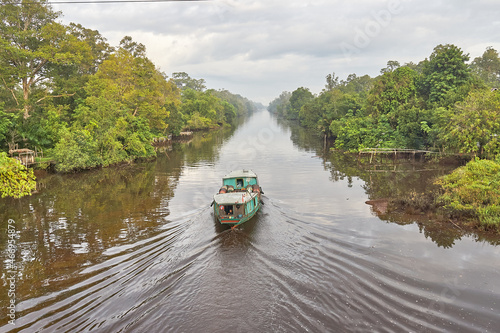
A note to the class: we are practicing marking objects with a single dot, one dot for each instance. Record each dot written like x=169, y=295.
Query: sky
x=260, y=48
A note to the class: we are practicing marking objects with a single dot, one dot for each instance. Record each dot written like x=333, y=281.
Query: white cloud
x=259, y=48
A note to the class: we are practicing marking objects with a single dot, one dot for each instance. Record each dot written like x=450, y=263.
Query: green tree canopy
x=184, y=81
x=299, y=97
x=445, y=72
x=487, y=67
x=31, y=43
x=134, y=82
x=472, y=126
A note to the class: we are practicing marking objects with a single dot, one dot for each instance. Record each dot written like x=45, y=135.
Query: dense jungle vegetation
x=85, y=103
x=444, y=103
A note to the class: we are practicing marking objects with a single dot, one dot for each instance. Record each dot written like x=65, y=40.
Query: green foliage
x=444, y=73
x=65, y=89
x=104, y=130
x=280, y=104
x=205, y=110
x=136, y=85
x=15, y=180
x=437, y=103
x=298, y=99
x=184, y=81
x=42, y=129
x=5, y=123
x=472, y=126
x=474, y=190
x=76, y=150
x=355, y=132
x=393, y=91
x=487, y=67
x=238, y=105
x=32, y=44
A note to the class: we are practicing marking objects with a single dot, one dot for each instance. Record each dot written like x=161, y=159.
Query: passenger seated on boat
x=228, y=210
x=239, y=183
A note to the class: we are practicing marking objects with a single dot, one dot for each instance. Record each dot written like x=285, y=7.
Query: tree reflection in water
x=387, y=178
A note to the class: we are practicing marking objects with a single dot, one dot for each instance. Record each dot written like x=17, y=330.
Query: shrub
x=474, y=190
x=15, y=179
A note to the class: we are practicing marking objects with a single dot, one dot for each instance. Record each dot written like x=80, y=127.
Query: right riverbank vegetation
x=445, y=103
x=84, y=103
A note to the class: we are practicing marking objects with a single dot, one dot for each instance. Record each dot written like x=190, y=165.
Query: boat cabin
x=240, y=179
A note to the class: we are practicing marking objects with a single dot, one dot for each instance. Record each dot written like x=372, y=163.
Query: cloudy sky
x=259, y=48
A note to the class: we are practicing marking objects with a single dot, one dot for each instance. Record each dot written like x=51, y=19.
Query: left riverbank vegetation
x=85, y=103
x=445, y=103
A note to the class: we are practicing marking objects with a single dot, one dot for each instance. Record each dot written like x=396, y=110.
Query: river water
x=136, y=248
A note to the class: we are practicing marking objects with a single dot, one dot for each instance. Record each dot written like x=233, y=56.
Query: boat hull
x=235, y=221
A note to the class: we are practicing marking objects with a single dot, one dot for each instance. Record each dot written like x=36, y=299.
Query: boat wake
x=281, y=271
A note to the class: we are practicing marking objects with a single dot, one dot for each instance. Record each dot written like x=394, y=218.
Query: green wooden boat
x=238, y=199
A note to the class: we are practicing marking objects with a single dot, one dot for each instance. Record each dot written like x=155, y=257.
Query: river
x=136, y=248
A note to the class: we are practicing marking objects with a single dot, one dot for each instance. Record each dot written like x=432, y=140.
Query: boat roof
x=233, y=198
x=240, y=174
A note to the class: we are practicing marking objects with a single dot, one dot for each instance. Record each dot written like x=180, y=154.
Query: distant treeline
x=442, y=102
x=66, y=91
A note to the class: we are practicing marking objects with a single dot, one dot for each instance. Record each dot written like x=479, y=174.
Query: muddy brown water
x=136, y=248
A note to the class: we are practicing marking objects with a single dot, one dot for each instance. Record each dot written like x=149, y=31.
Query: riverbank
x=468, y=198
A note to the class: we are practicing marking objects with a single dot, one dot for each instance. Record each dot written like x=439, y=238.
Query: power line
x=100, y=2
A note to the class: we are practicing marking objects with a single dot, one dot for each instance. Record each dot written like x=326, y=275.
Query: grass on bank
x=473, y=191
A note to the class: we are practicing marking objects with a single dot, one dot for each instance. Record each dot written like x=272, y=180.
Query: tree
x=31, y=42
x=392, y=65
x=391, y=91
x=280, y=104
x=472, y=126
x=133, y=80
x=184, y=81
x=445, y=72
x=299, y=97
x=487, y=67
x=332, y=81
x=203, y=109
x=69, y=79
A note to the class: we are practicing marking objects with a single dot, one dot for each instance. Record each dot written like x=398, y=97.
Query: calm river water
x=136, y=248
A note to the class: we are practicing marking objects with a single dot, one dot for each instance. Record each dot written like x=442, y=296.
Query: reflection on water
x=384, y=178
x=136, y=248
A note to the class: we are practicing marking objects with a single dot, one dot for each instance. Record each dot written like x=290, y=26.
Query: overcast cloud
x=260, y=48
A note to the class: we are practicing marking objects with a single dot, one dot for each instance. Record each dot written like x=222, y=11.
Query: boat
x=238, y=199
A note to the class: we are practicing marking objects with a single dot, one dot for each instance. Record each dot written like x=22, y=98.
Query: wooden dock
x=395, y=152
x=26, y=156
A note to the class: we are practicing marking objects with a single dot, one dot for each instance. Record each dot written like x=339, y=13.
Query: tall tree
x=31, y=42
x=391, y=66
x=137, y=84
x=184, y=81
x=299, y=97
x=487, y=67
x=472, y=126
x=445, y=72
x=332, y=82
